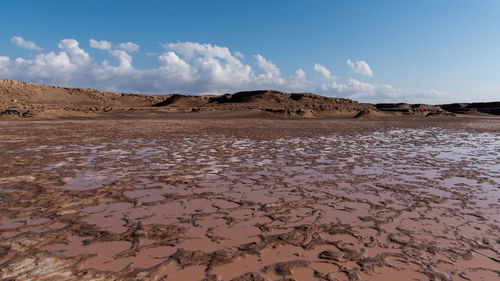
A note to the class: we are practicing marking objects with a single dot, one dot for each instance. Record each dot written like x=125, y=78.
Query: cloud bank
x=187, y=67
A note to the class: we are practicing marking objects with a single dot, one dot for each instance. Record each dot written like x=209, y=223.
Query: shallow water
x=368, y=205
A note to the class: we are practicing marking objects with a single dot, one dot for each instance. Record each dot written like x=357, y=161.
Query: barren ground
x=250, y=199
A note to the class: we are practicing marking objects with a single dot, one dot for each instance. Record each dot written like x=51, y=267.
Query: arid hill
x=479, y=108
x=15, y=93
x=20, y=100
x=273, y=102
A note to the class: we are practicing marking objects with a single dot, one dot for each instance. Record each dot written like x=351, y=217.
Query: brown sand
x=250, y=199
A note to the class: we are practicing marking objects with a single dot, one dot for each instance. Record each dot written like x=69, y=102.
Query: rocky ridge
x=21, y=100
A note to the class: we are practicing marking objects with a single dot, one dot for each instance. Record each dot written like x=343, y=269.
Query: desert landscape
x=258, y=185
x=24, y=100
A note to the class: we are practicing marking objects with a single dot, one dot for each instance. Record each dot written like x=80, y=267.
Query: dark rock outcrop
x=468, y=108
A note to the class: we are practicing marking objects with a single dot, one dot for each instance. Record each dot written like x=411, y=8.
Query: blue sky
x=377, y=51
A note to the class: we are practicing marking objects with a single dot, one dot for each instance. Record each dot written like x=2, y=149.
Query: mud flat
x=250, y=199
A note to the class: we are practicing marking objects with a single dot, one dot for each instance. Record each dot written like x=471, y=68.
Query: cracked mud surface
x=249, y=200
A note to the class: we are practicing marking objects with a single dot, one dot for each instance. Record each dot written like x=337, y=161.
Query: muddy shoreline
x=250, y=199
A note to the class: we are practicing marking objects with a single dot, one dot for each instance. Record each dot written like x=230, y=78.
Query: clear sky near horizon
x=425, y=51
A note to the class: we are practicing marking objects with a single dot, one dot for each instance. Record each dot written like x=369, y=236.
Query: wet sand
x=250, y=199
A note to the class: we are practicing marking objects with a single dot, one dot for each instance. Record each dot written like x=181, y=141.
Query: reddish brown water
x=375, y=204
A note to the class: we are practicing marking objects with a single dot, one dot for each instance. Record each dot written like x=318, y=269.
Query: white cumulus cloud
x=368, y=92
x=172, y=67
x=123, y=57
x=4, y=63
x=78, y=55
x=51, y=67
x=360, y=67
x=56, y=68
x=298, y=81
x=128, y=47
x=216, y=68
x=19, y=41
x=191, y=68
x=322, y=70
x=270, y=69
x=102, y=45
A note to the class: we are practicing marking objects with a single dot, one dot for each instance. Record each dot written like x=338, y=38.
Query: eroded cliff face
x=492, y=108
x=23, y=100
x=31, y=100
x=14, y=93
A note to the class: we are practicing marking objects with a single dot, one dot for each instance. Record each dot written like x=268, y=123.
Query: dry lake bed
x=254, y=199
